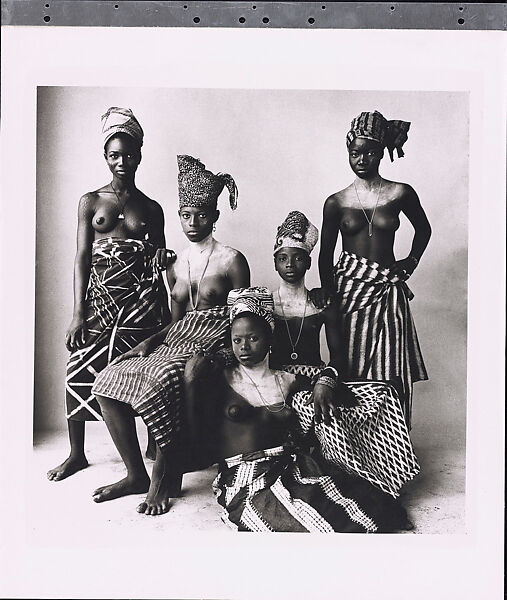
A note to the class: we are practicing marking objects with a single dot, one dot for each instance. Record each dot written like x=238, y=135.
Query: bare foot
x=67, y=468
x=162, y=489
x=124, y=487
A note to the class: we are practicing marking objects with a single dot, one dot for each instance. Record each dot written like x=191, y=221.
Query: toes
x=142, y=507
x=164, y=507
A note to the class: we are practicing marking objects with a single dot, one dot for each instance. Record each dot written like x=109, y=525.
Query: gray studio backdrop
x=286, y=150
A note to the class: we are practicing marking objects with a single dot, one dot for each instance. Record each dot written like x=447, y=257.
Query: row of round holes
x=311, y=20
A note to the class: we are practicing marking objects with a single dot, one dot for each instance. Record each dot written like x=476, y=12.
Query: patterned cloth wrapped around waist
x=361, y=282
x=123, y=275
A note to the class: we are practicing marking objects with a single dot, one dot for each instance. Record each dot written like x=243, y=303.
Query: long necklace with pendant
x=122, y=206
x=192, y=305
x=370, y=221
x=267, y=404
x=294, y=355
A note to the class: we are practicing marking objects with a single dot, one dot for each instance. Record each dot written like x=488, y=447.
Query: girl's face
x=123, y=156
x=197, y=222
x=364, y=157
x=250, y=340
x=292, y=264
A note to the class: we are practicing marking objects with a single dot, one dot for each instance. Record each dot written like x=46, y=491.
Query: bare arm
x=239, y=272
x=329, y=237
x=76, y=333
x=411, y=207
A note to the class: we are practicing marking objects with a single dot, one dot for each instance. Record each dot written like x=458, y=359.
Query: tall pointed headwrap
x=121, y=120
x=374, y=126
x=296, y=232
x=200, y=187
x=256, y=300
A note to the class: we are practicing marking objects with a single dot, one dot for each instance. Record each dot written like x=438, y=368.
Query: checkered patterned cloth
x=370, y=440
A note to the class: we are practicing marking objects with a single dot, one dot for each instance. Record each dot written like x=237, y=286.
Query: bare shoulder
x=228, y=256
x=152, y=205
x=337, y=201
x=88, y=201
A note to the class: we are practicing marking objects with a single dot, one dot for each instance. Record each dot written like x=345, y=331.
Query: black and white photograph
x=257, y=307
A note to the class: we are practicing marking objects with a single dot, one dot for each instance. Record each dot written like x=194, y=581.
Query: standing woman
x=119, y=296
x=149, y=378
x=376, y=326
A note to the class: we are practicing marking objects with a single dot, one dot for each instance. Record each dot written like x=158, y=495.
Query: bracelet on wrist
x=328, y=381
x=330, y=371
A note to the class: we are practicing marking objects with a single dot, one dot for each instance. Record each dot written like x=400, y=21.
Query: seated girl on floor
x=267, y=479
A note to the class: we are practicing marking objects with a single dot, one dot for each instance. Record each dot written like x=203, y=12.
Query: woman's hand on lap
x=142, y=349
x=323, y=401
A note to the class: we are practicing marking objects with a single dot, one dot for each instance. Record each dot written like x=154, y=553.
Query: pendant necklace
x=294, y=354
x=122, y=206
x=192, y=305
x=267, y=404
x=370, y=221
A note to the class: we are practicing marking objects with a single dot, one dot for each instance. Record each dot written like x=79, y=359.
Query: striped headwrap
x=296, y=232
x=256, y=300
x=121, y=120
x=200, y=187
x=374, y=126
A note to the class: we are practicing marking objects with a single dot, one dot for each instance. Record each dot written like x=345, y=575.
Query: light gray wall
x=286, y=151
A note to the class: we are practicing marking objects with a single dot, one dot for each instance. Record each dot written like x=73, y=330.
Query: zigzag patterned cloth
x=377, y=331
x=126, y=302
x=285, y=489
x=153, y=385
x=370, y=440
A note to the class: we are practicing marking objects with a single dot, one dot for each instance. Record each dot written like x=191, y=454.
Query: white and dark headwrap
x=121, y=120
x=255, y=300
x=374, y=126
x=296, y=232
x=200, y=187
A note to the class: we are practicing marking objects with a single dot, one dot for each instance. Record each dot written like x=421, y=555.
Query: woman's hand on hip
x=403, y=268
x=75, y=337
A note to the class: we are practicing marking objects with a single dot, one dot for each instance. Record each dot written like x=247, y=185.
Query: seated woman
x=358, y=425
x=267, y=481
x=149, y=377
x=119, y=296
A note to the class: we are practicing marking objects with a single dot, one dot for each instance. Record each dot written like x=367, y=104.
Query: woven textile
x=285, y=489
x=257, y=300
x=121, y=120
x=296, y=232
x=153, y=385
x=374, y=126
x=370, y=440
x=377, y=331
x=125, y=303
x=199, y=187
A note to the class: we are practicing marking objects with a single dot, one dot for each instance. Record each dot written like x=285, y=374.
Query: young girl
x=267, y=480
x=149, y=377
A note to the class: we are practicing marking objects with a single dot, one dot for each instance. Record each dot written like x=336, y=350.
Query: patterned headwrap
x=199, y=187
x=374, y=126
x=121, y=120
x=296, y=232
x=256, y=300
